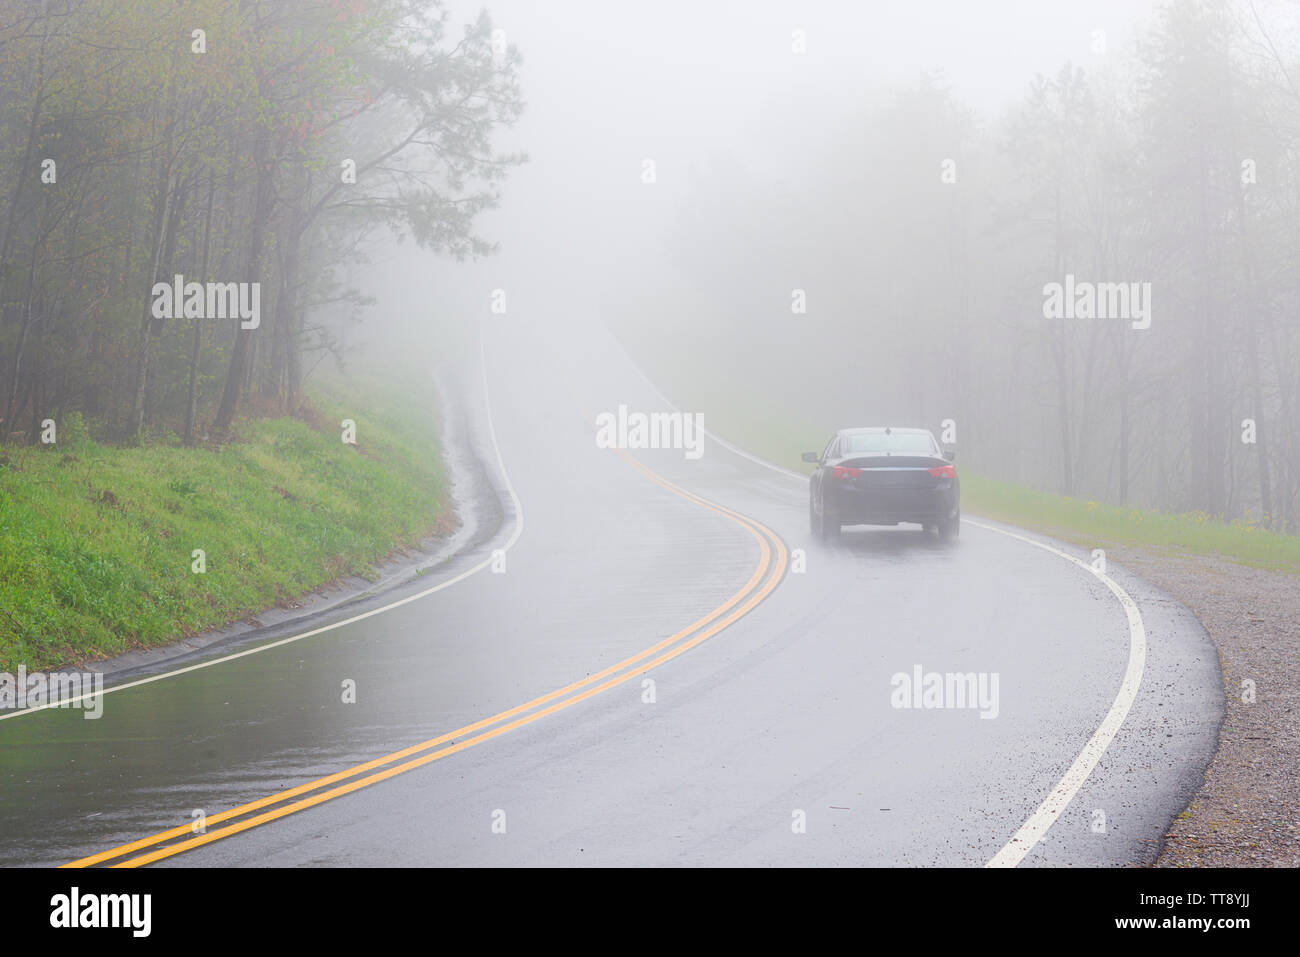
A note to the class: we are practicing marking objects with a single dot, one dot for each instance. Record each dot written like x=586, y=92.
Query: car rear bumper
x=890, y=506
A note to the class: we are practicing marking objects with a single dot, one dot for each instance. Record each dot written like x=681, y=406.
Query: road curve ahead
x=654, y=664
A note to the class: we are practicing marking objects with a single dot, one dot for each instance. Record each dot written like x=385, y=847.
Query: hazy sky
x=699, y=84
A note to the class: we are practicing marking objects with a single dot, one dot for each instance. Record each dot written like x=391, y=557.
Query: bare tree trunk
x=239, y=357
x=191, y=400
x=11, y=404
x=162, y=200
x=1061, y=357
x=1252, y=355
x=286, y=308
x=11, y=217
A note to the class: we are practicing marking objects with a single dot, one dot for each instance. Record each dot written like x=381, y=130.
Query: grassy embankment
x=765, y=426
x=96, y=540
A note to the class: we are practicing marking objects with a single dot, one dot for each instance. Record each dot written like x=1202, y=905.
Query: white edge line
x=734, y=449
x=1032, y=831
x=1023, y=841
x=514, y=537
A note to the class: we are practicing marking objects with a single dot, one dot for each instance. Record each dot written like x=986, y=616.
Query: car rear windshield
x=869, y=442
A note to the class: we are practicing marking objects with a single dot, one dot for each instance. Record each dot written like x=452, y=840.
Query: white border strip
x=514, y=537
x=1032, y=831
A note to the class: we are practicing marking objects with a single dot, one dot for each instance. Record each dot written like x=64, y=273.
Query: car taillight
x=844, y=471
x=944, y=471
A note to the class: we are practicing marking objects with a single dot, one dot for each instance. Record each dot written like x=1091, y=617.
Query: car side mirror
x=811, y=457
x=950, y=454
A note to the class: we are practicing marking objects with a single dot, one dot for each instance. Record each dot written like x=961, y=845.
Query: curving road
x=503, y=714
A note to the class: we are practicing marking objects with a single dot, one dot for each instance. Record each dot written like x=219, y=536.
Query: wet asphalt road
x=783, y=716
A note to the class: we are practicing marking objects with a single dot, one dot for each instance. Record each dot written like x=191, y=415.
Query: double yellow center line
x=771, y=568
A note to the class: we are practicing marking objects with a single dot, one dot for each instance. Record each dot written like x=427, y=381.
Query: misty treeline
x=923, y=236
x=225, y=141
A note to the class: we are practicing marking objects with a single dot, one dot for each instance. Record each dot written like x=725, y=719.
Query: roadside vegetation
x=1098, y=525
x=97, y=542
x=753, y=422
x=1095, y=281
x=187, y=190
x=186, y=193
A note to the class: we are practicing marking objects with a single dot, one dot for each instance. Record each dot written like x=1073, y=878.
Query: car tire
x=950, y=528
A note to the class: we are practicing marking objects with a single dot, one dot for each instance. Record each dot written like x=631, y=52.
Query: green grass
x=1099, y=525
x=96, y=541
x=765, y=423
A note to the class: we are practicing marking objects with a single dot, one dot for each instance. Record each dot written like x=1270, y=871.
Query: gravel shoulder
x=1246, y=812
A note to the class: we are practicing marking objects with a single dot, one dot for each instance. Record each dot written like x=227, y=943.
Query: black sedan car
x=883, y=476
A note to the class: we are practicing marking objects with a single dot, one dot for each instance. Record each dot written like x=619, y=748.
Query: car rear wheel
x=830, y=526
x=950, y=528
x=823, y=527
